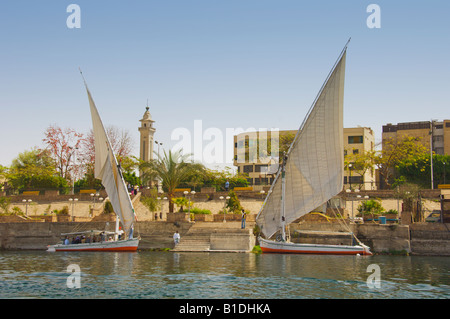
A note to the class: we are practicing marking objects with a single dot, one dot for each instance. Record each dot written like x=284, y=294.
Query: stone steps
x=198, y=237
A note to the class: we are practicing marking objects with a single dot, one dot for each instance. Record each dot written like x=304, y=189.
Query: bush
x=63, y=211
x=5, y=202
x=391, y=211
x=108, y=208
x=370, y=207
x=196, y=210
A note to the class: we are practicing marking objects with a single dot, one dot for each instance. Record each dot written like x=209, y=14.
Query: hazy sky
x=229, y=63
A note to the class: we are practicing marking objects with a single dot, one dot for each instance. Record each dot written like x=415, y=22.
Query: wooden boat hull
x=120, y=245
x=270, y=246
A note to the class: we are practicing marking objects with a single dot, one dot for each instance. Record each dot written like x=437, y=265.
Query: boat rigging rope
x=343, y=223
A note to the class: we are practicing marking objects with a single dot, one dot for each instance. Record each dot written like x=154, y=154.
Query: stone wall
x=430, y=239
x=418, y=238
x=380, y=238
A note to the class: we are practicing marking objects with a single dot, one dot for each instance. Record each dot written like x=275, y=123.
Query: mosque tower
x=147, y=131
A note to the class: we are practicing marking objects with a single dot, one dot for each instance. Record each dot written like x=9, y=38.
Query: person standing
x=176, y=237
x=243, y=219
x=227, y=185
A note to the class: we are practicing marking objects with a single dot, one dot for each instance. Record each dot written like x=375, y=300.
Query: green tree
x=233, y=204
x=217, y=179
x=394, y=152
x=34, y=170
x=417, y=170
x=172, y=169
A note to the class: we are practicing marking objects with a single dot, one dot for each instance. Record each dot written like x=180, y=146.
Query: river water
x=163, y=275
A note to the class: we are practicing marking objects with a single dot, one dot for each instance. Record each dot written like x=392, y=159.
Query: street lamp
x=157, y=143
x=358, y=196
x=350, y=177
x=26, y=205
x=224, y=203
x=444, y=171
x=186, y=193
x=73, y=201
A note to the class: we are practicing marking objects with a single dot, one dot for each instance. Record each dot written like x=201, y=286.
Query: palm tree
x=171, y=169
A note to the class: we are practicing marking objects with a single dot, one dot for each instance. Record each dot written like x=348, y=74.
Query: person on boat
x=66, y=241
x=176, y=237
x=243, y=219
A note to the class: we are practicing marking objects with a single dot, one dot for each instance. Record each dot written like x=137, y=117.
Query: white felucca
x=311, y=172
x=109, y=172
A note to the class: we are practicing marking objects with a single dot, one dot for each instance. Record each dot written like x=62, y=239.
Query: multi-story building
x=428, y=132
x=357, y=142
x=253, y=155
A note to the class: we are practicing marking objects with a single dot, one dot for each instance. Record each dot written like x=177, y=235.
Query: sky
x=229, y=64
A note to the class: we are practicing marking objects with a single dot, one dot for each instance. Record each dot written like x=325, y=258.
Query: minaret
x=147, y=130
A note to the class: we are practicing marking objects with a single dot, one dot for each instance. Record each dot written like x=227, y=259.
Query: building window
x=353, y=179
x=261, y=168
x=355, y=139
x=355, y=151
x=248, y=168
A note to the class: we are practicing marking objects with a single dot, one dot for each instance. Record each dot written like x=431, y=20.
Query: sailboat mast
x=283, y=191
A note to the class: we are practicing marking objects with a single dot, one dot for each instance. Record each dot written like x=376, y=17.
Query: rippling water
x=36, y=274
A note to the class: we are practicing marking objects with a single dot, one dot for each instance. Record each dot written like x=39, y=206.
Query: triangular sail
x=315, y=165
x=108, y=171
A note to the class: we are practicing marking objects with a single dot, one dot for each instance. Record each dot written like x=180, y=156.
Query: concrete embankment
x=154, y=235
x=417, y=239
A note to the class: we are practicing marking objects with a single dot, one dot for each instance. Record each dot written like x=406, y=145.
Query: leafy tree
x=417, y=170
x=361, y=163
x=34, y=170
x=394, y=152
x=233, y=204
x=172, y=169
x=217, y=179
x=88, y=182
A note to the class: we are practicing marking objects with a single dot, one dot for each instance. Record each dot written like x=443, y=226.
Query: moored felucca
x=109, y=172
x=311, y=173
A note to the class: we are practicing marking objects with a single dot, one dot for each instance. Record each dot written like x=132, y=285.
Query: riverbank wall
x=415, y=239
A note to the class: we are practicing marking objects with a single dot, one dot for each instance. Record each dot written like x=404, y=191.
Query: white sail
x=108, y=171
x=315, y=165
